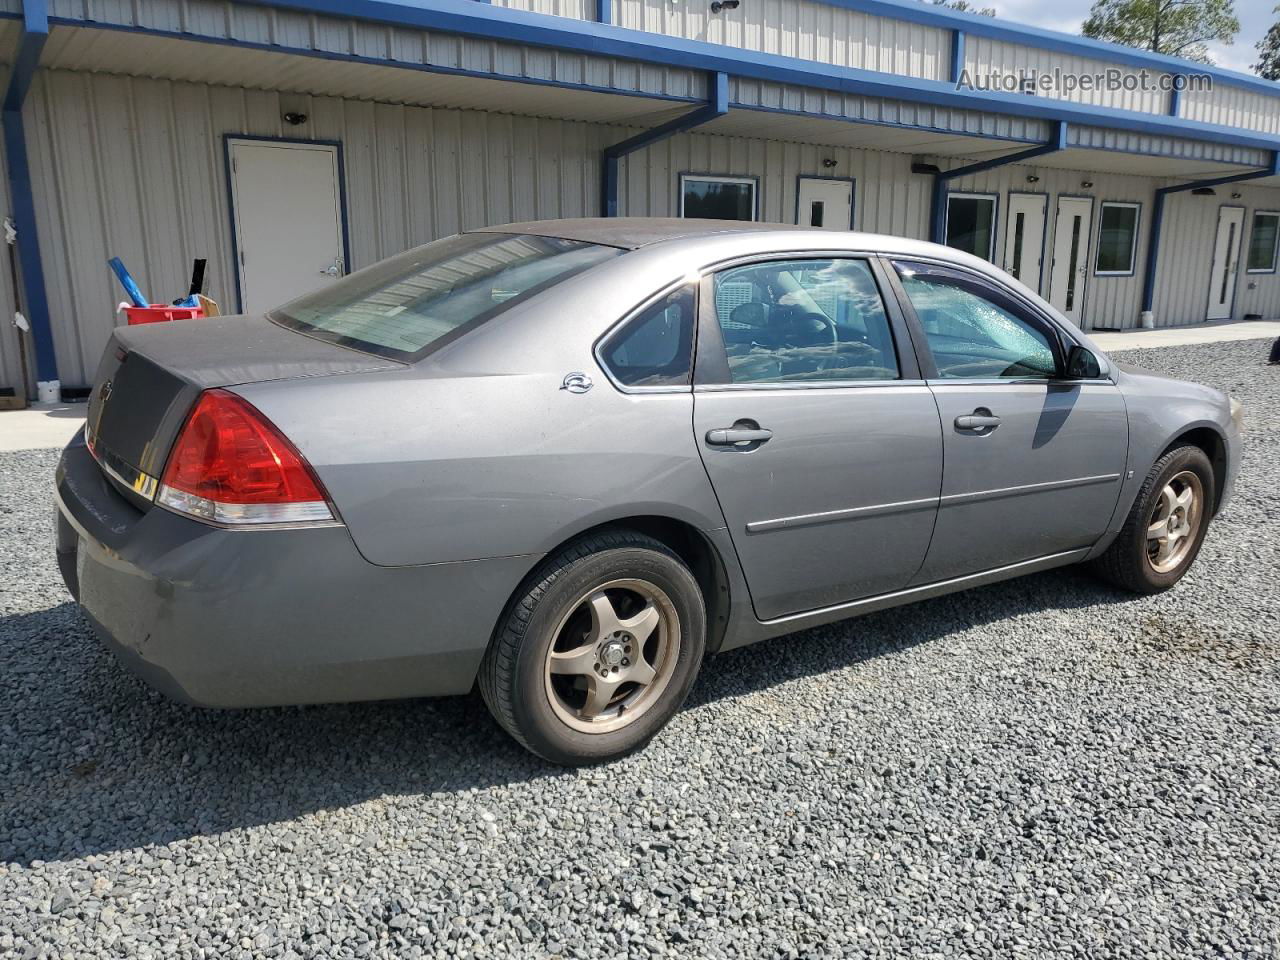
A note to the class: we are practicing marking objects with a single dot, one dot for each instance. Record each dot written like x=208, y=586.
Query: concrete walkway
x=41, y=426
x=1185, y=336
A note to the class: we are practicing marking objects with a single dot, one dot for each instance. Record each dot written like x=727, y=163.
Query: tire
x=1129, y=562
x=563, y=678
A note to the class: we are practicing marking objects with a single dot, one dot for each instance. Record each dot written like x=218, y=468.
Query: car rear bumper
x=238, y=618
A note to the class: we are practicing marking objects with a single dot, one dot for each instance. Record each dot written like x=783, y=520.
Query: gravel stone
x=1036, y=768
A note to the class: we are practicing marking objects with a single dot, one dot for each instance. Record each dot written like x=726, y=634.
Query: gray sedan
x=563, y=461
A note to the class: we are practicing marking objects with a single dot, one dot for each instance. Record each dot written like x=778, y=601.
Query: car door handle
x=728, y=436
x=977, y=421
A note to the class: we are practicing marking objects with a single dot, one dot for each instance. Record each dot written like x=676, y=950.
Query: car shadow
x=94, y=761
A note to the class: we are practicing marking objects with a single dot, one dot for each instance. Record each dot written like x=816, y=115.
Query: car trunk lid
x=150, y=376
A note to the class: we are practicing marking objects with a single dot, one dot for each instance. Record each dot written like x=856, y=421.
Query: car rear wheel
x=598, y=650
x=1166, y=525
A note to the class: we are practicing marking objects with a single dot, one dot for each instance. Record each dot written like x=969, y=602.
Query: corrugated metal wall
x=135, y=168
x=801, y=28
x=1233, y=106
x=1186, y=255
x=984, y=55
x=577, y=9
x=767, y=95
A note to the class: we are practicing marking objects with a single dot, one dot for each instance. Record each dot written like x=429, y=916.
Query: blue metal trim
x=231, y=203
x=1157, y=218
x=604, y=11
x=957, y=55
x=521, y=27
x=1175, y=97
x=35, y=31
x=853, y=192
x=938, y=207
x=716, y=106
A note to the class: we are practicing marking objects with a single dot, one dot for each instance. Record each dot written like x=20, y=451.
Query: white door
x=288, y=219
x=1226, y=261
x=825, y=203
x=1071, y=236
x=1024, y=238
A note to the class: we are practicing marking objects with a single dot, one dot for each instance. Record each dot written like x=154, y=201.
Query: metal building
x=289, y=142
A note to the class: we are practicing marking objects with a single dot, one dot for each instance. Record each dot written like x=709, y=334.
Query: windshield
x=411, y=304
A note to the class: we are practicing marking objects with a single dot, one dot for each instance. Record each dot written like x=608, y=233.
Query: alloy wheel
x=612, y=656
x=1174, y=522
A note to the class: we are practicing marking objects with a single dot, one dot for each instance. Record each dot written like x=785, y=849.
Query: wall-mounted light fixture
x=1236, y=196
x=1086, y=184
x=1032, y=178
x=719, y=5
x=295, y=119
x=828, y=162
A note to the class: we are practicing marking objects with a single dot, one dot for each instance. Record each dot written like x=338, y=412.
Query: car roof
x=632, y=233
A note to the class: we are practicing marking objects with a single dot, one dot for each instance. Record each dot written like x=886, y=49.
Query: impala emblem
x=576, y=383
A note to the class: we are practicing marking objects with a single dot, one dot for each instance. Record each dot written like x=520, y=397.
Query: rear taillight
x=231, y=465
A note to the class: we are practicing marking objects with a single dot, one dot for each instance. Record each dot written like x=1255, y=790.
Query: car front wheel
x=598, y=651
x=1166, y=525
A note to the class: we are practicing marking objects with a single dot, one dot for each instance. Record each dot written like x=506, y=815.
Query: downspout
x=1157, y=221
x=717, y=105
x=35, y=31
x=938, y=208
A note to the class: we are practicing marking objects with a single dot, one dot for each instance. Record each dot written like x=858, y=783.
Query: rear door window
x=406, y=306
x=804, y=319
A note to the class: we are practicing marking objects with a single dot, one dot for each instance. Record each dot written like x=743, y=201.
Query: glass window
x=656, y=347
x=804, y=320
x=974, y=330
x=410, y=304
x=718, y=198
x=1117, y=238
x=971, y=219
x=1264, y=240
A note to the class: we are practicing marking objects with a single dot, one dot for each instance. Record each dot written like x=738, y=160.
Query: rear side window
x=406, y=306
x=655, y=348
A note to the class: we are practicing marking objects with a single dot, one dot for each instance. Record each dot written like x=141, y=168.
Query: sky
x=1255, y=18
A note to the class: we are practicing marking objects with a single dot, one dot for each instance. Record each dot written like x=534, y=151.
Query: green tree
x=1269, y=52
x=964, y=6
x=1177, y=28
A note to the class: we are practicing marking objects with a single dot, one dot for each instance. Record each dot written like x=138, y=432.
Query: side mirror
x=1082, y=364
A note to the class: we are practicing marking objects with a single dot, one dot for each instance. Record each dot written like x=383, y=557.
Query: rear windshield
x=414, y=303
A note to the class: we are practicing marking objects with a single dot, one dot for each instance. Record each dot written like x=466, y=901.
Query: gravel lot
x=1039, y=767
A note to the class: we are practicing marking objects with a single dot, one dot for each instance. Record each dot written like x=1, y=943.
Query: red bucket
x=161, y=313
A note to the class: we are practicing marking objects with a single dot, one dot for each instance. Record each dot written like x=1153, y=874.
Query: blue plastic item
x=127, y=281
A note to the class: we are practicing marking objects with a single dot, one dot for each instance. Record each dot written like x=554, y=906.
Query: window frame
x=1133, y=245
x=619, y=327
x=1061, y=338
x=711, y=358
x=1275, y=252
x=995, y=220
x=753, y=182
